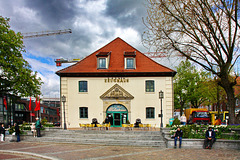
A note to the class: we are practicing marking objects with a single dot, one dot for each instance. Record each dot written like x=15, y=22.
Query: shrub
x=176, y=121
x=198, y=131
x=43, y=121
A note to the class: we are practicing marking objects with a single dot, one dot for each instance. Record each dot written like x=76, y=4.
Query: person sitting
x=210, y=138
x=178, y=135
x=217, y=121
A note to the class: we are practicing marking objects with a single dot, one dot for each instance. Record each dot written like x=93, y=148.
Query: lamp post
x=64, y=120
x=161, y=115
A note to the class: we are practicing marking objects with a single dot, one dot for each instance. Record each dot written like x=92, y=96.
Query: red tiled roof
x=117, y=47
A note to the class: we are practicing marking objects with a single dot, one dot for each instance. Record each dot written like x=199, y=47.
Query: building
x=50, y=108
x=117, y=81
x=17, y=110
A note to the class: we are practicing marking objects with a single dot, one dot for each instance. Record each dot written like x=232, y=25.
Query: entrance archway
x=117, y=114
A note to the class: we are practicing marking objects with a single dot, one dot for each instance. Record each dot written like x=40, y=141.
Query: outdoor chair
x=148, y=126
x=124, y=126
x=82, y=126
x=141, y=126
x=99, y=126
x=90, y=126
x=108, y=126
x=131, y=126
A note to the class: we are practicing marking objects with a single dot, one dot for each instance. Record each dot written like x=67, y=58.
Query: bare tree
x=204, y=31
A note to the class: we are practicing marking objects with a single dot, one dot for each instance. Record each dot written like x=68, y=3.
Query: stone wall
x=198, y=143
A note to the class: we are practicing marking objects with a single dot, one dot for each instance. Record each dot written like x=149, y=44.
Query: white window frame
x=134, y=63
x=98, y=63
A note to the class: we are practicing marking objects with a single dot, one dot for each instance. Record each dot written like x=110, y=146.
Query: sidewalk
x=40, y=150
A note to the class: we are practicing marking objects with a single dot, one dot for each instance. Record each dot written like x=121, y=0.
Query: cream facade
x=105, y=94
x=119, y=83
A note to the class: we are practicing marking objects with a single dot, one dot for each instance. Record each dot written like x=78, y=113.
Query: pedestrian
x=178, y=135
x=210, y=138
x=106, y=122
x=183, y=119
x=33, y=129
x=38, y=127
x=2, y=131
x=17, y=131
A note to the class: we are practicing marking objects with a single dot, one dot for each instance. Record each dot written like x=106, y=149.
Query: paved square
x=72, y=151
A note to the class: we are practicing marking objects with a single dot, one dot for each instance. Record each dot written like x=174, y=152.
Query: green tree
x=215, y=93
x=16, y=76
x=204, y=31
x=188, y=86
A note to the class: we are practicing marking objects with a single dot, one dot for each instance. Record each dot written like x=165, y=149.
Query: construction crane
x=62, y=60
x=45, y=33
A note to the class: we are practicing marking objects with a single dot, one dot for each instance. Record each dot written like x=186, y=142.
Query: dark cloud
x=53, y=12
x=127, y=13
x=94, y=23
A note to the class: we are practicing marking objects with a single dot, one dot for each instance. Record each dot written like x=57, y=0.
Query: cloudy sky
x=94, y=23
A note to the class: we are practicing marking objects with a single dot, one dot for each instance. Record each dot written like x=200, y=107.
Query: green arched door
x=118, y=115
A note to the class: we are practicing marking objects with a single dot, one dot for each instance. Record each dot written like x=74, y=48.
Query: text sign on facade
x=116, y=79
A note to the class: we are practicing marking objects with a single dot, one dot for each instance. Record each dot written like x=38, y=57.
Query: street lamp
x=64, y=100
x=161, y=115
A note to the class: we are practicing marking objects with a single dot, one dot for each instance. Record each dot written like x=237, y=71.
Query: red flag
x=32, y=114
x=37, y=108
x=58, y=112
x=30, y=104
x=43, y=110
x=5, y=102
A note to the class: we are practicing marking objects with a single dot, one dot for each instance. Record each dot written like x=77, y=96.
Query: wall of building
x=97, y=106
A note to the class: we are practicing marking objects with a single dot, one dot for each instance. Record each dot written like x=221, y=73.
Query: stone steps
x=117, y=136
x=156, y=143
x=128, y=138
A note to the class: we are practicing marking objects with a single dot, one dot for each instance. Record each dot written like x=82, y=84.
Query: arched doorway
x=117, y=114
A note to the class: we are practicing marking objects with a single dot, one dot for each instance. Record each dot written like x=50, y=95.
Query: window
x=130, y=63
x=102, y=63
x=83, y=112
x=103, y=60
x=83, y=86
x=150, y=112
x=129, y=58
x=149, y=86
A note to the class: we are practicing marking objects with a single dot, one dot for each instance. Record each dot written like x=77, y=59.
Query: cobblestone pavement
x=27, y=150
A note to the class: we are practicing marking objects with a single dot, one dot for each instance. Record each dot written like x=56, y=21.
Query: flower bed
x=198, y=131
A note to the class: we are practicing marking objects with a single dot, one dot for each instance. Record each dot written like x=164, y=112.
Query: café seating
x=82, y=126
x=127, y=126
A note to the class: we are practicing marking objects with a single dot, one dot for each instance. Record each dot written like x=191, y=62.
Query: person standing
x=33, y=129
x=2, y=131
x=183, y=119
x=210, y=138
x=17, y=131
x=178, y=135
x=38, y=127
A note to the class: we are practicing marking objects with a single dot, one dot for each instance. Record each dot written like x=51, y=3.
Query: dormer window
x=102, y=63
x=129, y=59
x=130, y=63
x=103, y=60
